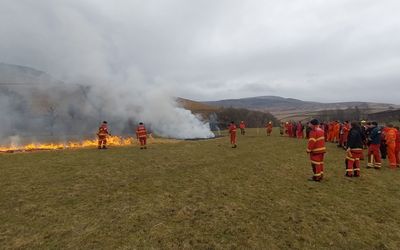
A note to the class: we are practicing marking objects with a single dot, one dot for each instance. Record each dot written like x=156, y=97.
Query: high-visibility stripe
x=312, y=139
x=317, y=162
x=349, y=170
x=355, y=149
x=322, y=138
x=317, y=174
x=350, y=159
x=356, y=169
x=319, y=149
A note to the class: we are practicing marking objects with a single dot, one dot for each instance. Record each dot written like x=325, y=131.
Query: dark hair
x=314, y=122
x=140, y=123
x=105, y=122
x=355, y=125
x=374, y=123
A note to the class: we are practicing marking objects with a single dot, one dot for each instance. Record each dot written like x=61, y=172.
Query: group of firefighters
x=103, y=133
x=353, y=137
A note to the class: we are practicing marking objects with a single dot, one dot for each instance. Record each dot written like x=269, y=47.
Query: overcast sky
x=317, y=50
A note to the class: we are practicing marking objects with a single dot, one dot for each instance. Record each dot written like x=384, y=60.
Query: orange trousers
x=102, y=142
x=233, y=138
x=353, y=162
x=142, y=141
x=391, y=150
x=374, y=156
x=317, y=164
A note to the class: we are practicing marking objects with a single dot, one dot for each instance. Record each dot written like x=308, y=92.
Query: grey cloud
x=212, y=49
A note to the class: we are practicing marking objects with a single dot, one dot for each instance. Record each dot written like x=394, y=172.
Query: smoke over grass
x=85, y=63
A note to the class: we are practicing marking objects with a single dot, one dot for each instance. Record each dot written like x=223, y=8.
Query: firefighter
x=269, y=128
x=397, y=150
x=390, y=137
x=354, y=150
x=141, y=135
x=316, y=149
x=336, y=132
x=242, y=127
x=345, y=130
x=374, y=139
x=282, y=128
x=102, y=135
x=232, y=132
x=300, y=128
x=287, y=128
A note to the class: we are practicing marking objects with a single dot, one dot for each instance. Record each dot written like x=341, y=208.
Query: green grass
x=195, y=195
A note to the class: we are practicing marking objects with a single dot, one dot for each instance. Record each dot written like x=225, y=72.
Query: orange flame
x=111, y=141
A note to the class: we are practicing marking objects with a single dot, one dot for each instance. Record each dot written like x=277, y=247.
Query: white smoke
x=84, y=43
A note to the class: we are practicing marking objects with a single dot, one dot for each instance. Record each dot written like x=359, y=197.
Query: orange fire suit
x=102, y=136
x=345, y=135
x=397, y=151
x=141, y=135
x=232, y=132
x=390, y=137
x=269, y=129
x=242, y=127
x=316, y=149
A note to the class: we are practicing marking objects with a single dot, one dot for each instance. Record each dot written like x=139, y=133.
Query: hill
x=220, y=117
x=197, y=107
x=289, y=108
x=195, y=195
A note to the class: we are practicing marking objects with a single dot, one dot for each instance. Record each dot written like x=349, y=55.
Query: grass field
x=195, y=195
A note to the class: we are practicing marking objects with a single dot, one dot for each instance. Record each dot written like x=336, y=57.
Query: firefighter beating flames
x=102, y=135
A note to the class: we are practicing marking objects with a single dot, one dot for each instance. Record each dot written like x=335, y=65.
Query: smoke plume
x=84, y=62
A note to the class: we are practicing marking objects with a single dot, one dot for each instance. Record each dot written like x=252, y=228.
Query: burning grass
x=113, y=141
x=195, y=194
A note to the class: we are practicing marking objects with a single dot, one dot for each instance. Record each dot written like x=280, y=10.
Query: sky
x=315, y=50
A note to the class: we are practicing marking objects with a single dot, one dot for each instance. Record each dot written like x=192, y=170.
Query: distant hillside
x=196, y=107
x=386, y=116
x=12, y=75
x=290, y=108
x=220, y=117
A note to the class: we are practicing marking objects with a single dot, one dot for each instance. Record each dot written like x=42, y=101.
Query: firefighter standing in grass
x=374, y=140
x=354, y=150
x=232, y=132
x=269, y=128
x=397, y=151
x=242, y=127
x=316, y=149
x=390, y=137
x=141, y=135
x=282, y=128
x=102, y=136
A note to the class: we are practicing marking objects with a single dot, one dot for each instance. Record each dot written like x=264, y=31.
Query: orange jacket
x=242, y=125
x=103, y=131
x=141, y=132
x=316, y=141
x=346, y=129
x=390, y=136
x=232, y=129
